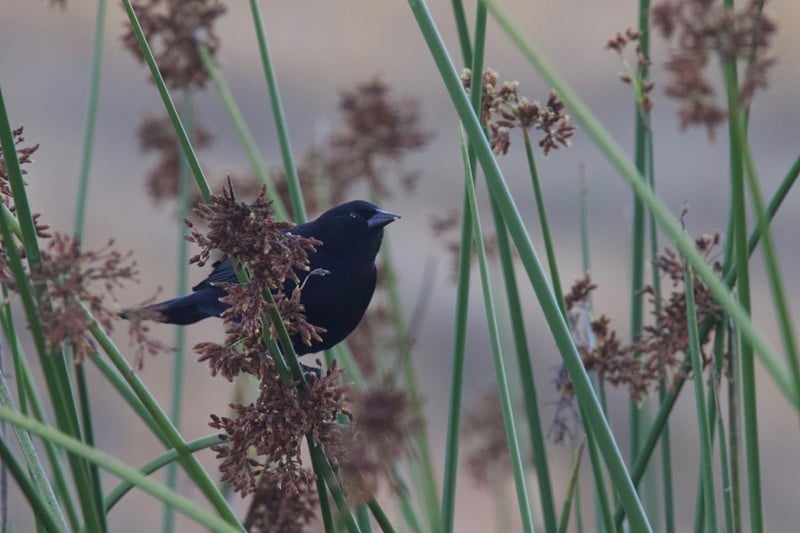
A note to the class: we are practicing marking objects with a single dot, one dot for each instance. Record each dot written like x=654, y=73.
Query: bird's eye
x=354, y=215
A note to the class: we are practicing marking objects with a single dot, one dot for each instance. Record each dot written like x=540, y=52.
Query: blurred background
x=45, y=56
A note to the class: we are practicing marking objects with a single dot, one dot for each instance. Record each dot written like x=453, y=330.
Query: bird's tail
x=182, y=310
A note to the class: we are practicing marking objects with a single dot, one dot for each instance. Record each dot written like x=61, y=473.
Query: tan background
x=324, y=47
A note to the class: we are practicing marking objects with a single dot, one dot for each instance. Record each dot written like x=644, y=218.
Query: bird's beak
x=380, y=219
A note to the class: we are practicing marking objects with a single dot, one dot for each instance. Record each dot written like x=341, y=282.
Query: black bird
x=351, y=235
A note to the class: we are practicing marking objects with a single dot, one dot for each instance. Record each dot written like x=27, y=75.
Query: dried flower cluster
x=642, y=87
x=274, y=426
x=487, y=458
x=24, y=154
x=157, y=134
x=702, y=29
x=639, y=366
x=503, y=109
x=174, y=29
x=264, y=438
x=67, y=277
x=382, y=425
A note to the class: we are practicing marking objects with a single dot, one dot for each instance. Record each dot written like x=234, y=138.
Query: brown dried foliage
x=24, y=154
x=383, y=422
x=174, y=29
x=67, y=278
x=702, y=29
x=641, y=365
x=643, y=87
x=158, y=135
x=284, y=501
x=272, y=428
x=503, y=109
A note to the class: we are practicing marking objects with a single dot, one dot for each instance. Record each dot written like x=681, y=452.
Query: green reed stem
x=118, y=468
x=293, y=181
x=44, y=518
x=380, y=516
x=739, y=215
x=246, y=138
x=641, y=134
x=502, y=381
x=563, y=523
x=54, y=367
x=190, y=463
x=166, y=459
x=463, y=31
x=29, y=401
x=182, y=287
x=668, y=223
x=558, y=326
x=44, y=495
x=550, y=251
x=91, y=117
x=188, y=151
x=703, y=421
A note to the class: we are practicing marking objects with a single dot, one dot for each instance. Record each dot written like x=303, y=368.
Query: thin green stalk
x=246, y=138
x=30, y=402
x=126, y=393
x=188, y=150
x=571, y=488
x=641, y=134
x=742, y=256
x=118, y=468
x=457, y=370
x=774, y=277
x=45, y=495
x=525, y=372
x=322, y=494
x=54, y=367
x=190, y=463
x=703, y=421
x=166, y=459
x=463, y=31
x=380, y=516
x=429, y=490
x=546, y=235
x=182, y=286
x=603, y=507
x=91, y=116
x=295, y=193
x=326, y=471
x=362, y=517
x=734, y=418
x=41, y=511
x=668, y=402
x=627, y=170
x=727, y=493
x=533, y=267
x=502, y=382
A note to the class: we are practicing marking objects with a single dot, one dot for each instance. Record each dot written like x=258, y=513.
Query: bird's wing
x=222, y=273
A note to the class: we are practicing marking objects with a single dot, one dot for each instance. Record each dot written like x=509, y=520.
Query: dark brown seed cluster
x=24, y=154
x=383, y=422
x=701, y=30
x=265, y=436
x=174, y=29
x=503, y=109
x=69, y=279
x=266, y=250
x=157, y=135
x=643, y=87
x=641, y=365
x=284, y=502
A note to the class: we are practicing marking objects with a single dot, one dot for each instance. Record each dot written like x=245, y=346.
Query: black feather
x=351, y=236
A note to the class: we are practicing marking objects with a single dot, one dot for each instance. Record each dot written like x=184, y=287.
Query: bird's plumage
x=351, y=236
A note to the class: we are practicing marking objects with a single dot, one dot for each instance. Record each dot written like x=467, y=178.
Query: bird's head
x=353, y=226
